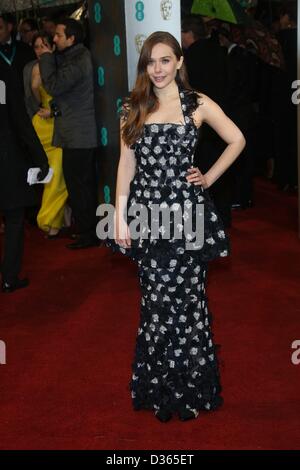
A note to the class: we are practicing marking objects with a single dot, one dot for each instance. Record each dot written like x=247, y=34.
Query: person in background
x=50, y=217
x=202, y=50
x=28, y=29
x=287, y=174
x=206, y=65
x=67, y=76
x=239, y=98
x=16, y=137
x=14, y=55
x=48, y=25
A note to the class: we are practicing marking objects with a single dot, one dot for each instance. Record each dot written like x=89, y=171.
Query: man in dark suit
x=14, y=55
x=286, y=171
x=16, y=137
x=28, y=29
x=205, y=60
x=238, y=105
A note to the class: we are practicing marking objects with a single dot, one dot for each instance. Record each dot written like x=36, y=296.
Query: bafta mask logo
x=139, y=41
x=166, y=9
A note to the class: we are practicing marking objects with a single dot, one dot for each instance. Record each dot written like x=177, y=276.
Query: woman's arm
x=126, y=172
x=211, y=113
x=36, y=82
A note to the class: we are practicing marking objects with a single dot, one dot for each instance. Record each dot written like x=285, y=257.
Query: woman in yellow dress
x=51, y=214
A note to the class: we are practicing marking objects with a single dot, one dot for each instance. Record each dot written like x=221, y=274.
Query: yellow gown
x=51, y=213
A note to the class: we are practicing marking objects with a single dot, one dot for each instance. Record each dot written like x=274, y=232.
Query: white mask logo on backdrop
x=139, y=42
x=166, y=9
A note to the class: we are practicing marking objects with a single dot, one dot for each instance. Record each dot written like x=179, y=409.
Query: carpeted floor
x=70, y=339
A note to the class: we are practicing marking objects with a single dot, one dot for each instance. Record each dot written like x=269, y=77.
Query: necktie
x=7, y=52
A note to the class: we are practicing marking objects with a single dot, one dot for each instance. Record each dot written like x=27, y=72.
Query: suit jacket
x=20, y=147
x=206, y=65
x=68, y=78
x=23, y=55
x=241, y=86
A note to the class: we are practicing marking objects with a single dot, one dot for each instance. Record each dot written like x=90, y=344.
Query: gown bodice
x=164, y=153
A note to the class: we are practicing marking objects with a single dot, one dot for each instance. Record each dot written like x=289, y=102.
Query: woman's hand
x=44, y=113
x=196, y=177
x=122, y=233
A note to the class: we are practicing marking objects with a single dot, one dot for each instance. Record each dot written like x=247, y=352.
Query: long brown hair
x=142, y=100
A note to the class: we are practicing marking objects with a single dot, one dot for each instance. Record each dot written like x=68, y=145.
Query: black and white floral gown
x=175, y=362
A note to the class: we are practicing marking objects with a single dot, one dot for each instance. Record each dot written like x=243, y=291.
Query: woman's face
x=40, y=46
x=163, y=65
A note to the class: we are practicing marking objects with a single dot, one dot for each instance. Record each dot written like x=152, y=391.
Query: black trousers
x=80, y=176
x=13, y=244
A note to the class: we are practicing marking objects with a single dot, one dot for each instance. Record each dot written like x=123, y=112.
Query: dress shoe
x=163, y=415
x=81, y=243
x=8, y=287
x=186, y=414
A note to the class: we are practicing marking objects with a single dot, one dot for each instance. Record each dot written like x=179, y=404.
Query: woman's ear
x=180, y=62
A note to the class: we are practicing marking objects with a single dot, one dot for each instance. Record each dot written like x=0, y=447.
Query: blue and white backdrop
x=142, y=19
x=118, y=29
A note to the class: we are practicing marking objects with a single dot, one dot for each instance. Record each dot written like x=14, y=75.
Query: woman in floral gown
x=175, y=369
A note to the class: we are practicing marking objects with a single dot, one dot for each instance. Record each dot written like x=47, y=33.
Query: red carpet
x=70, y=339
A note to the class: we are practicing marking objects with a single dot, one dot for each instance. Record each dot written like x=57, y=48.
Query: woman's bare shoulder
x=36, y=69
x=202, y=99
x=198, y=115
x=205, y=107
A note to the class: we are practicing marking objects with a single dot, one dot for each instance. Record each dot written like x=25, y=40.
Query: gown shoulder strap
x=189, y=103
